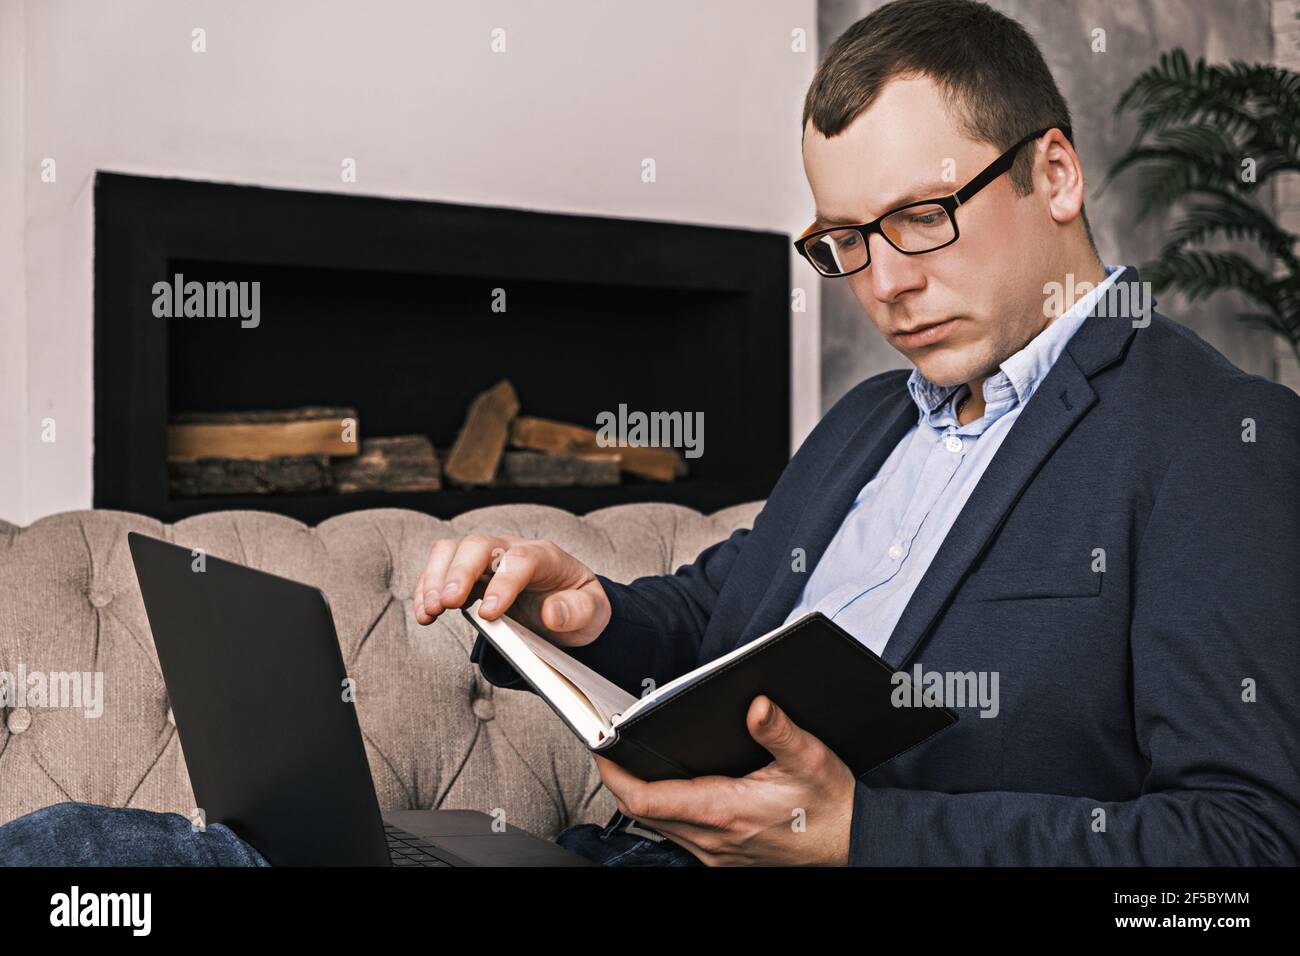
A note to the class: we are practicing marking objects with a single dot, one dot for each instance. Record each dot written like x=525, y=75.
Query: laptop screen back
x=256, y=680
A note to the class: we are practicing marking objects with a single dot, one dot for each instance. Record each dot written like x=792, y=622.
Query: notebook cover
x=827, y=681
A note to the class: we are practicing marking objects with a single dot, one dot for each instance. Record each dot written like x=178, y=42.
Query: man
x=1069, y=496
x=1096, y=509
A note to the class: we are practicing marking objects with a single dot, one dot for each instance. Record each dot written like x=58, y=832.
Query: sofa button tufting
x=483, y=708
x=19, y=720
x=99, y=597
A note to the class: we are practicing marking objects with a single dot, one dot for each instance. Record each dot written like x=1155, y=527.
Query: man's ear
x=1058, y=170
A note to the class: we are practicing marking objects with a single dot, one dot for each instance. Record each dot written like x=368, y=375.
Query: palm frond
x=1199, y=273
x=1230, y=217
x=1199, y=128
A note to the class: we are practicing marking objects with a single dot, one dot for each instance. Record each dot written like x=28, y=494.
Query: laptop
x=256, y=679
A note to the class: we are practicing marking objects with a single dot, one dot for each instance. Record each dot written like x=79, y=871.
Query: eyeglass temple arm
x=1002, y=164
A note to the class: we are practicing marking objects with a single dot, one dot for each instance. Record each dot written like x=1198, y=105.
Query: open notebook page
x=606, y=698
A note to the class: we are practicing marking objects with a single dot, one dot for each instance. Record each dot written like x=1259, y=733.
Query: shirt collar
x=1019, y=375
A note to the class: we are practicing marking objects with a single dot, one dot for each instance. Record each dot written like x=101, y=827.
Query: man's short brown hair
x=988, y=66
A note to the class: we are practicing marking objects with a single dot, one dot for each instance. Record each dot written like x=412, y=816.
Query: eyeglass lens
x=914, y=229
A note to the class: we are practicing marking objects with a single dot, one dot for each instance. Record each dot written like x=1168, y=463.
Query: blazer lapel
x=882, y=428
x=1061, y=399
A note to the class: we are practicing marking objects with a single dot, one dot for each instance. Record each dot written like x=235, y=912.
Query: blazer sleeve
x=655, y=629
x=1215, y=651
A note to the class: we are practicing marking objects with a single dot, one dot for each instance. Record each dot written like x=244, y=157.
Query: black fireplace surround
x=385, y=306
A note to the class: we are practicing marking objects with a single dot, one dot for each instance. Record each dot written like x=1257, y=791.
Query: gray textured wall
x=1137, y=31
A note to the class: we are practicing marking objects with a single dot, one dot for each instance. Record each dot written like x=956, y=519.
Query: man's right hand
x=544, y=588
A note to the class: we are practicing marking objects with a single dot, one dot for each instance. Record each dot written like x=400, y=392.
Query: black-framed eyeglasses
x=913, y=229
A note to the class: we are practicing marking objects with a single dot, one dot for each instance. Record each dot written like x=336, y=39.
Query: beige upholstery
x=436, y=733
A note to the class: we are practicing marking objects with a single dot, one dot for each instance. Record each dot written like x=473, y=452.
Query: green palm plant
x=1211, y=140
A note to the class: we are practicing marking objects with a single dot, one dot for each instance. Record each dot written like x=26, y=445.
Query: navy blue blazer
x=1149, y=713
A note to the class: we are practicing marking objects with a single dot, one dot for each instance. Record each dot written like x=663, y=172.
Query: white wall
x=13, y=270
x=412, y=90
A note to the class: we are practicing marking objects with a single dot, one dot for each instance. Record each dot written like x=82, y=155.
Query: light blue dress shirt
x=892, y=531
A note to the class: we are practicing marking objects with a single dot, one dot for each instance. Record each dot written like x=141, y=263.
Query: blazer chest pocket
x=1076, y=579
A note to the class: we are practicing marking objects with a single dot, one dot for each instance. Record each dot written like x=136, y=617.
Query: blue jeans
x=610, y=845
x=85, y=834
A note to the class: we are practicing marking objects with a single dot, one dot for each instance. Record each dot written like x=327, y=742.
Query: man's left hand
x=796, y=810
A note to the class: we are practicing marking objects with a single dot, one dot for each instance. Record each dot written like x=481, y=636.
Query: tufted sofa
x=437, y=734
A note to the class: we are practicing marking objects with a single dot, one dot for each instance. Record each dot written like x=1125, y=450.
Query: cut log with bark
x=559, y=438
x=261, y=435
x=234, y=476
x=397, y=463
x=477, y=451
x=540, y=470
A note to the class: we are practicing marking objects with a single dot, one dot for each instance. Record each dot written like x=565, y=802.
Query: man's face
x=986, y=288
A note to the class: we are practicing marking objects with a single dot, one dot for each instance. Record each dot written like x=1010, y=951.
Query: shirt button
x=895, y=551
x=952, y=443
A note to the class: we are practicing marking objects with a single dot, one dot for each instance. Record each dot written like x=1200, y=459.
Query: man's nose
x=892, y=272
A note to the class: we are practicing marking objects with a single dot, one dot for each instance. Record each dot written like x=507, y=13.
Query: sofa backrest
x=437, y=734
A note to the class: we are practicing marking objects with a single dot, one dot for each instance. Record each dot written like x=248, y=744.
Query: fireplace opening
x=401, y=313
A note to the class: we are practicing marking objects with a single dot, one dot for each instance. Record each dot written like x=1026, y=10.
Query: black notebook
x=828, y=682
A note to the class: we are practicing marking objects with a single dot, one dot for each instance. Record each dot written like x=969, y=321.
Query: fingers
x=542, y=586
x=527, y=564
x=472, y=559
x=455, y=566
x=427, y=590
x=517, y=567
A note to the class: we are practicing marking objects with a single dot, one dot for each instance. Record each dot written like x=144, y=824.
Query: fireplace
x=387, y=306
